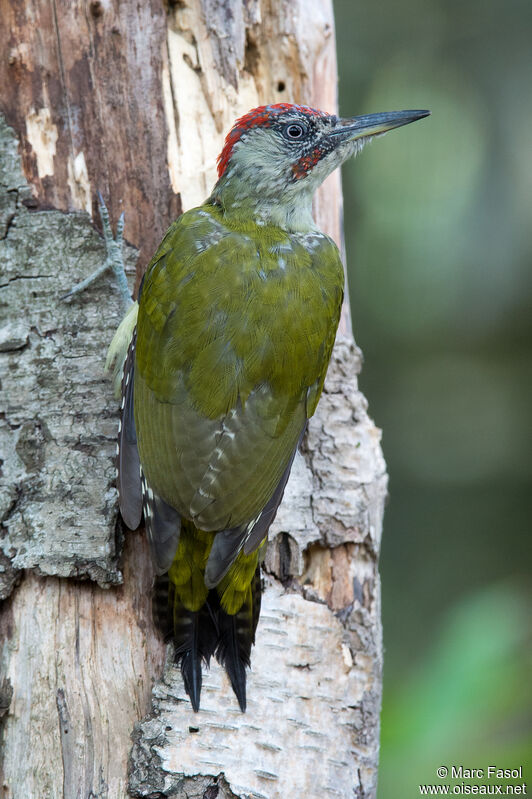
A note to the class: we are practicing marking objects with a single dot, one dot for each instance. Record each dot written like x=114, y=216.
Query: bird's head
x=275, y=157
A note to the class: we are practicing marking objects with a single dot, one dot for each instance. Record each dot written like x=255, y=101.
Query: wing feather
x=163, y=526
x=128, y=462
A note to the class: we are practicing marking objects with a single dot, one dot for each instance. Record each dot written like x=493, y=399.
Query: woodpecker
x=224, y=357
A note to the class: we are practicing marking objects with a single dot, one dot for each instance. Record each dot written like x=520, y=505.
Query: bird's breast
x=253, y=307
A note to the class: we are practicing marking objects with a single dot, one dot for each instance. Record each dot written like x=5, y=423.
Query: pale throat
x=260, y=202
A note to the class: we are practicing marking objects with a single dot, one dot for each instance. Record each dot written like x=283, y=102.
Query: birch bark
x=133, y=99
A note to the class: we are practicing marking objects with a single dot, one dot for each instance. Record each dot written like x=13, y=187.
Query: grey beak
x=373, y=124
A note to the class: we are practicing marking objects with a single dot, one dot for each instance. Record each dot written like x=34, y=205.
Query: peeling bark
x=134, y=99
x=81, y=86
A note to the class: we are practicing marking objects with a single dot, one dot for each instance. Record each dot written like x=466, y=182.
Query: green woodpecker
x=227, y=350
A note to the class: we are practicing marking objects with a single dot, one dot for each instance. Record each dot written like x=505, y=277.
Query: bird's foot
x=113, y=260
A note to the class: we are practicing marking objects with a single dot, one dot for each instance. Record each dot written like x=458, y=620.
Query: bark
x=134, y=99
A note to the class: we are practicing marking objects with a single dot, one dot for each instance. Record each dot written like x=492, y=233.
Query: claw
x=79, y=287
x=104, y=216
x=113, y=261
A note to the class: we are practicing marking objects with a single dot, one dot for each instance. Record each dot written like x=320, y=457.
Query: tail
x=194, y=633
x=199, y=634
x=236, y=636
x=195, y=636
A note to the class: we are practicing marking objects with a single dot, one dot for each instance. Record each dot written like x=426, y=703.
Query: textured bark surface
x=81, y=661
x=81, y=86
x=134, y=99
x=58, y=425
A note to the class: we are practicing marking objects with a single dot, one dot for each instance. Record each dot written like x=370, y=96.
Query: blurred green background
x=438, y=227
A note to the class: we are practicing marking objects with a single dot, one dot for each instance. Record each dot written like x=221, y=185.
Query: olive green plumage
x=235, y=328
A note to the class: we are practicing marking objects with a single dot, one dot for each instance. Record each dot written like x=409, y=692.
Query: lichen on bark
x=58, y=423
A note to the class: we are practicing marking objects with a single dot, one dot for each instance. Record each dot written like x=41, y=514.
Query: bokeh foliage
x=438, y=222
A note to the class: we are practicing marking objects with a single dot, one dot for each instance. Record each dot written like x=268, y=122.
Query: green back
x=235, y=330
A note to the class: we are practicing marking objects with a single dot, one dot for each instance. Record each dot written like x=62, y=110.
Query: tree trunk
x=133, y=99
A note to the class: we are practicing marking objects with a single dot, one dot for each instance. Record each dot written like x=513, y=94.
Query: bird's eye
x=294, y=130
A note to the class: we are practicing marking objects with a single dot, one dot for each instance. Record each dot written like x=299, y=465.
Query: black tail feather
x=198, y=635
x=236, y=637
x=190, y=660
x=256, y=600
x=195, y=635
x=232, y=655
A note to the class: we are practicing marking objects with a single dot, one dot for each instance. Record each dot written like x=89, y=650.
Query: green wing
x=234, y=335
